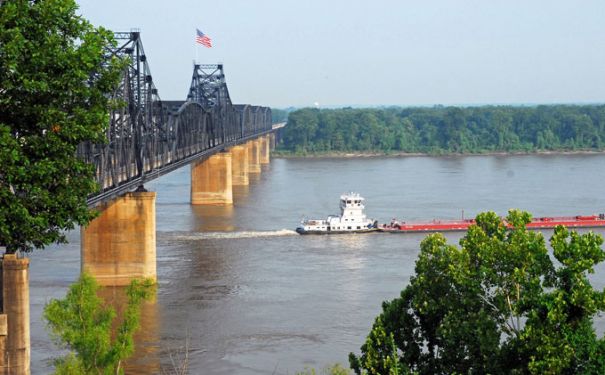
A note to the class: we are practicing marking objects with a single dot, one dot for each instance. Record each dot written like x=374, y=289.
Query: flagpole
x=195, y=47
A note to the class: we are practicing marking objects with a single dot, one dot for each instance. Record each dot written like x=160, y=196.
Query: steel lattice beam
x=147, y=138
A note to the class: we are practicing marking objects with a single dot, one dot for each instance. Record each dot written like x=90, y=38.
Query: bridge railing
x=147, y=138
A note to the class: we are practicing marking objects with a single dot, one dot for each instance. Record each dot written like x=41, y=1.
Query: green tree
x=559, y=336
x=83, y=324
x=279, y=115
x=380, y=354
x=335, y=369
x=55, y=79
x=454, y=124
x=302, y=125
x=497, y=304
x=440, y=130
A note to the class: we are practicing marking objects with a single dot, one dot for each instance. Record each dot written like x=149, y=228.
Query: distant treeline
x=279, y=115
x=441, y=130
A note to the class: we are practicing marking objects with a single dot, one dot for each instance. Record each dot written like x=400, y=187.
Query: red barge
x=591, y=221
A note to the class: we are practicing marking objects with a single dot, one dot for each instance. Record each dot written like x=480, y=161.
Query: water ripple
x=194, y=236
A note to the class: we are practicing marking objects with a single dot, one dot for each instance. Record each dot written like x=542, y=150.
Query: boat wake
x=193, y=236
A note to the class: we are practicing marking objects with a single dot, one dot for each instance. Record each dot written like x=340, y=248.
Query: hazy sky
x=283, y=53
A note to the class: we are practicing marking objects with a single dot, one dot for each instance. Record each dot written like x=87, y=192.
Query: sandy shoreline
x=409, y=154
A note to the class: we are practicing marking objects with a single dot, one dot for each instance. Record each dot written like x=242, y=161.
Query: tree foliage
x=82, y=323
x=55, y=79
x=335, y=369
x=279, y=115
x=380, y=354
x=497, y=304
x=446, y=129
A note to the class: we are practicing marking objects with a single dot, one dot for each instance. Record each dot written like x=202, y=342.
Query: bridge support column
x=253, y=156
x=14, y=321
x=272, y=141
x=119, y=245
x=3, y=345
x=265, y=149
x=212, y=181
x=239, y=165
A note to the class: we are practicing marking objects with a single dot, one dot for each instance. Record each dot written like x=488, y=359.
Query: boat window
x=348, y=227
x=349, y=202
x=358, y=227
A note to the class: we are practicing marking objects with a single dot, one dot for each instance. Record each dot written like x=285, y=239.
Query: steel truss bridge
x=148, y=138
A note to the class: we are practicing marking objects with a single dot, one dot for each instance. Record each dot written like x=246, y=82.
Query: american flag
x=203, y=39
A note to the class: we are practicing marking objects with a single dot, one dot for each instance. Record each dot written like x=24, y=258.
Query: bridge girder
x=147, y=138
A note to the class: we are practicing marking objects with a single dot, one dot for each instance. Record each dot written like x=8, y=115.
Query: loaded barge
x=353, y=220
x=592, y=221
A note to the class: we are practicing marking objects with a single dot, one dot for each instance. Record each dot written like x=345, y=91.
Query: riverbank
x=328, y=155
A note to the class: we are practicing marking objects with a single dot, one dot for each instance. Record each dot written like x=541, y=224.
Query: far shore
x=327, y=155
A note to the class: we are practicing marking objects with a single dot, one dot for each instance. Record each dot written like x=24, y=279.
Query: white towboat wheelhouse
x=352, y=219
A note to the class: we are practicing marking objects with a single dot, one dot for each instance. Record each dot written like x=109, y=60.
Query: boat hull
x=305, y=232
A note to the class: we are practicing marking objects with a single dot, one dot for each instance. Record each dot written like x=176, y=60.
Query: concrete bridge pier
x=254, y=160
x=272, y=141
x=119, y=245
x=239, y=166
x=15, y=348
x=265, y=149
x=212, y=180
x=4, y=368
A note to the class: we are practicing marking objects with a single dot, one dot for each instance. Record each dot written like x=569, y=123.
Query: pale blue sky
x=283, y=53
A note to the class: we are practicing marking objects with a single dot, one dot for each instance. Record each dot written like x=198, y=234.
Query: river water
x=244, y=294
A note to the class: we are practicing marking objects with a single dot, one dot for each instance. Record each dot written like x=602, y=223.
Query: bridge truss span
x=147, y=137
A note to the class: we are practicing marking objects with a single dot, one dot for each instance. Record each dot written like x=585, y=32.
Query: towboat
x=351, y=219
